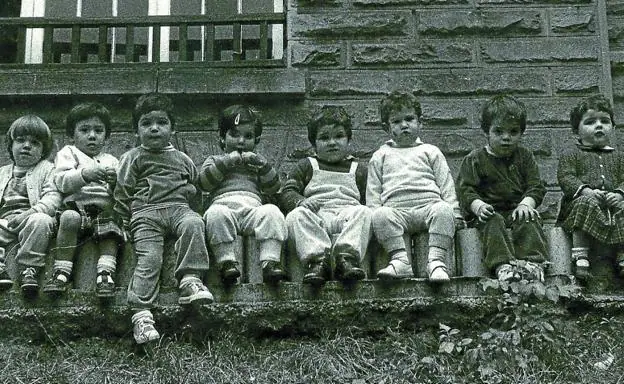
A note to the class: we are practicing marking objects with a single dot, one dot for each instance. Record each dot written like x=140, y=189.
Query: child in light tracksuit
x=410, y=189
x=324, y=196
x=155, y=183
x=239, y=183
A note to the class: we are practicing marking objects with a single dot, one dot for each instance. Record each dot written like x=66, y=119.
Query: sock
x=107, y=263
x=189, y=278
x=400, y=255
x=579, y=255
x=142, y=314
x=65, y=267
x=436, y=254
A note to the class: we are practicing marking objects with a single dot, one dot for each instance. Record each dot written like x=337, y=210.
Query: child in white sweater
x=411, y=189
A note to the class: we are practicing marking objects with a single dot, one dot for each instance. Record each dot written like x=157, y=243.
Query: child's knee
x=382, y=216
x=216, y=212
x=70, y=221
x=41, y=220
x=297, y=215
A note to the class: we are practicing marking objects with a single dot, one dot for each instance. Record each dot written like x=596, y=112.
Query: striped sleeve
x=213, y=171
x=269, y=180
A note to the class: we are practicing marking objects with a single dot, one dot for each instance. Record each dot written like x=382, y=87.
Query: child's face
x=404, y=127
x=241, y=138
x=595, y=129
x=155, y=130
x=89, y=136
x=27, y=151
x=504, y=137
x=331, y=143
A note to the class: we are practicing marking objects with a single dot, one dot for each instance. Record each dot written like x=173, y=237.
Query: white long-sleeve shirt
x=409, y=177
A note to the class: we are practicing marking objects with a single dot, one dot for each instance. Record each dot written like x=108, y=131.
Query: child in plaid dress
x=592, y=181
x=86, y=176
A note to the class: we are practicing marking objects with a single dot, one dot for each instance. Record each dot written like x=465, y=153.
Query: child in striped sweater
x=239, y=183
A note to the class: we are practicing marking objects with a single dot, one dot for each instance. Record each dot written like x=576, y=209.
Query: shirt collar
x=392, y=143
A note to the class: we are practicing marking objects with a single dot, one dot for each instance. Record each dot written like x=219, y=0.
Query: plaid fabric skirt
x=591, y=217
x=98, y=223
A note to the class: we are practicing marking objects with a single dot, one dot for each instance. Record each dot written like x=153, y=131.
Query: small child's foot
x=195, y=293
x=28, y=282
x=5, y=279
x=582, y=269
x=396, y=269
x=348, y=268
x=104, y=285
x=143, y=328
x=57, y=284
x=229, y=272
x=505, y=272
x=317, y=272
x=273, y=273
x=535, y=270
x=437, y=271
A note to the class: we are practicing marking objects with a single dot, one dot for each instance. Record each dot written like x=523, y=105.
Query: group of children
x=334, y=205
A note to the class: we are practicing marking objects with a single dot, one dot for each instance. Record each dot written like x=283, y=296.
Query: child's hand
x=253, y=159
x=235, y=158
x=94, y=173
x=111, y=175
x=597, y=194
x=19, y=219
x=460, y=223
x=485, y=212
x=312, y=205
x=524, y=212
x=613, y=198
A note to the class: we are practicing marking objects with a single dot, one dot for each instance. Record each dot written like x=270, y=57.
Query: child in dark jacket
x=499, y=186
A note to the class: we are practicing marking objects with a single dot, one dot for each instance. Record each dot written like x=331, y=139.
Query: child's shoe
x=535, y=271
x=104, y=285
x=272, y=272
x=143, y=327
x=5, y=279
x=348, y=268
x=195, y=292
x=57, y=284
x=396, y=269
x=229, y=272
x=28, y=281
x=317, y=271
x=437, y=272
x=581, y=269
x=506, y=272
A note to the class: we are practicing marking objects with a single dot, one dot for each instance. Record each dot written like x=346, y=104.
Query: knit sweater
x=409, y=177
x=42, y=193
x=294, y=187
x=219, y=175
x=149, y=179
x=501, y=182
x=596, y=168
x=69, y=163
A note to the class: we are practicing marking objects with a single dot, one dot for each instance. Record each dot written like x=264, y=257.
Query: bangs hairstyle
x=86, y=111
x=152, y=102
x=235, y=115
x=503, y=108
x=30, y=125
x=397, y=101
x=597, y=103
x=329, y=115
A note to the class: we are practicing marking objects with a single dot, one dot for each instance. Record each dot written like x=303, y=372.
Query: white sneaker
x=144, y=330
x=505, y=272
x=437, y=272
x=396, y=270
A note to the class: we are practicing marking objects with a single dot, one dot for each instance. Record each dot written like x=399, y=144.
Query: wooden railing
x=255, y=39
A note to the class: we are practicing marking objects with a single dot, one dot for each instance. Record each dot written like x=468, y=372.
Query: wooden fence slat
x=75, y=44
x=129, y=44
x=102, y=44
x=182, y=43
x=264, y=40
x=237, y=42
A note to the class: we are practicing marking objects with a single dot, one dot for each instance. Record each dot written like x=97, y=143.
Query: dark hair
x=152, y=102
x=329, y=115
x=503, y=107
x=30, y=125
x=84, y=111
x=597, y=103
x=394, y=102
x=235, y=115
